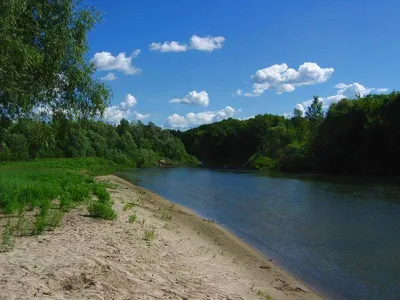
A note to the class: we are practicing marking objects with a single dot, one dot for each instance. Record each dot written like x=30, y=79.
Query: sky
x=181, y=63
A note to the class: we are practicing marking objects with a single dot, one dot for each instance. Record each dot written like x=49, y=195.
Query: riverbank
x=166, y=253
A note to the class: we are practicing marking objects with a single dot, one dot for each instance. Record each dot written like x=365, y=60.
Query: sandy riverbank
x=189, y=258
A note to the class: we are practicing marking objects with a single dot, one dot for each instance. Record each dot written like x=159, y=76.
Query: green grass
x=149, y=235
x=7, y=238
x=132, y=219
x=128, y=205
x=50, y=187
x=263, y=295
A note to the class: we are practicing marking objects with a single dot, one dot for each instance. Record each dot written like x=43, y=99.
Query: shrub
x=101, y=210
x=40, y=224
x=101, y=192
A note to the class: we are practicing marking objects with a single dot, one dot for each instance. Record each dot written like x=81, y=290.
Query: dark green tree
x=315, y=112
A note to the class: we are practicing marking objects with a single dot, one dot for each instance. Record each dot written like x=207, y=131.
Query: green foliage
x=149, y=235
x=132, y=145
x=132, y=218
x=7, y=238
x=49, y=187
x=354, y=136
x=44, y=57
x=128, y=205
x=22, y=227
x=101, y=192
x=260, y=162
x=360, y=136
x=102, y=210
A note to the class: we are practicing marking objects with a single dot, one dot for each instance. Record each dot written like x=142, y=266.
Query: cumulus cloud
x=168, y=47
x=195, y=119
x=193, y=98
x=114, y=114
x=105, y=61
x=282, y=79
x=348, y=91
x=206, y=44
x=109, y=77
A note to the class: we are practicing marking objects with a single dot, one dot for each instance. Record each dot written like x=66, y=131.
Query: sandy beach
x=167, y=253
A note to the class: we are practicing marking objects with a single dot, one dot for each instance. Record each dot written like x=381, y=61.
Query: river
x=339, y=236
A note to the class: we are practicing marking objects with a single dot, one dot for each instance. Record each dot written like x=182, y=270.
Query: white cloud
x=140, y=117
x=129, y=102
x=282, y=79
x=238, y=93
x=168, y=47
x=114, y=114
x=349, y=91
x=105, y=61
x=195, y=119
x=109, y=77
x=206, y=44
x=193, y=98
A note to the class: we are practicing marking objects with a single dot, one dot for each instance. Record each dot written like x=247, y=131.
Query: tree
x=298, y=113
x=43, y=58
x=315, y=112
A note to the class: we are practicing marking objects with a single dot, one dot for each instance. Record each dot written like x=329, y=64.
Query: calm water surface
x=342, y=239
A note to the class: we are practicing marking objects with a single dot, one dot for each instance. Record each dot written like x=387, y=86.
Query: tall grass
x=49, y=187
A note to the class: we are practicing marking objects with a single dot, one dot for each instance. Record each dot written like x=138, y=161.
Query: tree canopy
x=43, y=60
x=354, y=136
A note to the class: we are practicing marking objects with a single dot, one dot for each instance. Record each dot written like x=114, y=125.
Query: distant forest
x=360, y=136
x=131, y=144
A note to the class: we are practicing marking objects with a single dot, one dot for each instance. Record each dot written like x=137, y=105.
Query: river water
x=341, y=237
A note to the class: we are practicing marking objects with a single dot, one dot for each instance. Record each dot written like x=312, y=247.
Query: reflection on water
x=340, y=237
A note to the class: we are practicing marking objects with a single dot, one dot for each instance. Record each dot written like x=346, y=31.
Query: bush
x=101, y=192
x=260, y=162
x=102, y=210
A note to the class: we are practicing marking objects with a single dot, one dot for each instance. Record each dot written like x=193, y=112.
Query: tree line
x=129, y=143
x=360, y=136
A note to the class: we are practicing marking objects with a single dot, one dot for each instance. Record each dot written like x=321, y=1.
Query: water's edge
x=244, y=238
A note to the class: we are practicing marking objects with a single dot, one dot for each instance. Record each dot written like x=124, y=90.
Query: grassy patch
x=128, y=205
x=149, y=235
x=101, y=210
x=110, y=185
x=7, y=238
x=50, y=187
x=263, y=295
x=132, y=219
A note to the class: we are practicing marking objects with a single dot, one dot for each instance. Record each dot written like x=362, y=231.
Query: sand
x=189, y=258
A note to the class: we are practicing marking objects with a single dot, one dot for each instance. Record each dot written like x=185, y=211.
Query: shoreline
x=168, y=252
x=230, y=237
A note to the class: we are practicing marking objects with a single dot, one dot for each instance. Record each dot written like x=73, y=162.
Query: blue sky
x=225, y=46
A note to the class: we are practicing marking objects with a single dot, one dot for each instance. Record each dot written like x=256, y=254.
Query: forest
x=131, y=144
x=360, y=136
